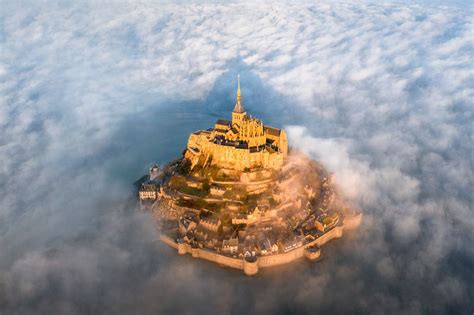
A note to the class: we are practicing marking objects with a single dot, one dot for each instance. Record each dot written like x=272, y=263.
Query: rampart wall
x=280, y=259
x=168, y=241
x=262, y=261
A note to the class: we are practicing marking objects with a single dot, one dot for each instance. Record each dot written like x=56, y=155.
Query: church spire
x=238, y=88
x=239, y=108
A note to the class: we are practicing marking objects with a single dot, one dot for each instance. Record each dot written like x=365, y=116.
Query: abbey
x=241, y=144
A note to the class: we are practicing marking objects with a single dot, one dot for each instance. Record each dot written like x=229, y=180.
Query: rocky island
x=241, y=198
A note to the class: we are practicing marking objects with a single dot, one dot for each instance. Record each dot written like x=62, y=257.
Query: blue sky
x=381, y=93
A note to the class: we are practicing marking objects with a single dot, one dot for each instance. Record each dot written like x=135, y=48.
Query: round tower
x=312, y=252
x=250, y=265
x=154, y=172
x=181, y=247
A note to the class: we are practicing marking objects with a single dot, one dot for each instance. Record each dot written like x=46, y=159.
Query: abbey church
x=244, y=143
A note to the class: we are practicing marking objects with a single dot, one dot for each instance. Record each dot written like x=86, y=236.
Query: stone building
x=240, y=144
x=210, y=224
x=148, y=191
x=230, y=245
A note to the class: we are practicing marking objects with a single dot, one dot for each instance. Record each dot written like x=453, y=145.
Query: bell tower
x=239, y=112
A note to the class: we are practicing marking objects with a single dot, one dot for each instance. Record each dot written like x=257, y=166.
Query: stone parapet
x=251, y=267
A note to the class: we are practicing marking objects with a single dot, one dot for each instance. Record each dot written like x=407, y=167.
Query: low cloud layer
x=92, y=93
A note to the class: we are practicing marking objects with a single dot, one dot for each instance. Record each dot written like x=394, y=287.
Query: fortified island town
x=240, y=198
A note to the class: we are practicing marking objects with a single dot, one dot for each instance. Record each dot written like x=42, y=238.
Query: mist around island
x=93, y=93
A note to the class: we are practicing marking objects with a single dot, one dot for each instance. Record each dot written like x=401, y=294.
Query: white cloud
x=384, y=96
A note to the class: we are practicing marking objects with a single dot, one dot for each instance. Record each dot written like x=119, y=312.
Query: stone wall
x=168, y=241
x=166, y=208
x=280, y=259
x=231, y=157
x=261, y=262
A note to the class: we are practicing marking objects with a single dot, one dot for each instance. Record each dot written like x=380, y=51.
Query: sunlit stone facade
x=240, y=144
